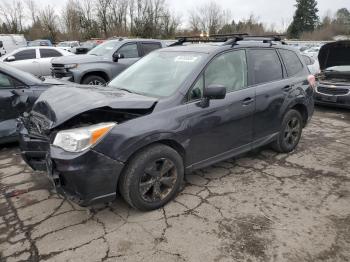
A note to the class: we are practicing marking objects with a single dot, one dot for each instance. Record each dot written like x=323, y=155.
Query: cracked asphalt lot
x=259, y=207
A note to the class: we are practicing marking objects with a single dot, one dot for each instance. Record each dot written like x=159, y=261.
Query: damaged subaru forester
x=176, y=110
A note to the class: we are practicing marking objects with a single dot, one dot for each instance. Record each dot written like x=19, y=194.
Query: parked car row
x=139, y=124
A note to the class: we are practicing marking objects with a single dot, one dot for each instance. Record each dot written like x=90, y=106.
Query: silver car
x=35, y=60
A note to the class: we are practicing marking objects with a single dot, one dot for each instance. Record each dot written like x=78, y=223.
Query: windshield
x=159, y=74
x=105, y=49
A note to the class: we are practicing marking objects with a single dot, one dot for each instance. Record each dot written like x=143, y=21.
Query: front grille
x=333, y=90
x=59, y=71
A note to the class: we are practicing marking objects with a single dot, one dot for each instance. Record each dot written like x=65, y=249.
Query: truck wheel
x=94, y=80
x=152, y=178
x=289, y=136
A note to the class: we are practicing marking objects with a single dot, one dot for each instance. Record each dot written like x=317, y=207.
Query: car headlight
x=79, y=139
x=70, y=66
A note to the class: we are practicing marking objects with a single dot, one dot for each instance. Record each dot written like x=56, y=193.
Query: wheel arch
x=168, y=142
x=302, y=109
x=102, y=74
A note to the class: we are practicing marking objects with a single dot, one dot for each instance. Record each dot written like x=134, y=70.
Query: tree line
x=86, y=19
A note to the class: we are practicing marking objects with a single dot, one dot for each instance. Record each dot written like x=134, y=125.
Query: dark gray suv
x=104, y=62
x=176, y=110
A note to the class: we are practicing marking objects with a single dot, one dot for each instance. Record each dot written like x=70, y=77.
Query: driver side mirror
x=213, y=92
x=10, y=59
x=117, y=56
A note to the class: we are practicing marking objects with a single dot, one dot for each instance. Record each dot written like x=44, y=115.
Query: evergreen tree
x=305, y=18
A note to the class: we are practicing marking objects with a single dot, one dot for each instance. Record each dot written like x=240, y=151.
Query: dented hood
x=59, y=104
x=334, y=54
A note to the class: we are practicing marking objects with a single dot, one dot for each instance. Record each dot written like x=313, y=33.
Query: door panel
x=45, y=66
x=267, y=74
x=224, y=126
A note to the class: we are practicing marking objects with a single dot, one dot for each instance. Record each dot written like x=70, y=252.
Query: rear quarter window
x=292, y=62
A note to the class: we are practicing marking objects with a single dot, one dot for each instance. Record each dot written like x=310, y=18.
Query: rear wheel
x=94, y=80
x=291, y=130
x=152, y=178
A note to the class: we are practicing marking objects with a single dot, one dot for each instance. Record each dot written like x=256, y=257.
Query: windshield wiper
x=126, y=90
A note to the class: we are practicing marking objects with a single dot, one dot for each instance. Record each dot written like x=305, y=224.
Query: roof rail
x=229, y=39
x=208, y=39
x=266, y=38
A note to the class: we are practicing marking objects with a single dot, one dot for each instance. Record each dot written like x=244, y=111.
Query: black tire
x=94, y=80
x=143, y=179
x=290, y=134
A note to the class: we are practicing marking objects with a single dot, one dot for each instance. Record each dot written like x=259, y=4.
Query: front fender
x=84, y=70
x=148, y=140
x=129, y=146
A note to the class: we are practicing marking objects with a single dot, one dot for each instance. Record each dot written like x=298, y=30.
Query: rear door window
x=45, y=53
x=25, y=55
x=265, y=66
x=291, y=62
x=149, y=47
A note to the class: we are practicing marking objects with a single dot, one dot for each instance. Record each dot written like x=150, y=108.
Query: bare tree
x=103, y=7
x=71, y=18
x=119, y=11
x=207, y=18
x=32, y=9
x=13, y=15
x=48, y=19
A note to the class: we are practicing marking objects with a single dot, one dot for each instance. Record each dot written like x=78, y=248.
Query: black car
x=334, y=81
x=18, y=92
x=176, y=110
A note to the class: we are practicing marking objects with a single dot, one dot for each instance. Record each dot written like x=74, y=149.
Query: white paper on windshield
x=186, y=59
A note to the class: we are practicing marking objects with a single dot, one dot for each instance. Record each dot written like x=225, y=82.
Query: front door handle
x=287, y=88
x=247, y=101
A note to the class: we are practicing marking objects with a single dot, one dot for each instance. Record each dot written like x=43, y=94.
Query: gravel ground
x=259, y=207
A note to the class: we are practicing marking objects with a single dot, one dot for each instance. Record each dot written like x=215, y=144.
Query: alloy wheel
x=292, y=132
x=158, y=180
x=96, y=83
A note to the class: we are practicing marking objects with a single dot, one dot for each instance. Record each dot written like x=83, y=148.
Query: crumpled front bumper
x=85, y=178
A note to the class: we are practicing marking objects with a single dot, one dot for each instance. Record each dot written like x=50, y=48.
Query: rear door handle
x=247, y=101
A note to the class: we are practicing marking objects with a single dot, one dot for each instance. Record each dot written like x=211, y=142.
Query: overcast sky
x=268, y=11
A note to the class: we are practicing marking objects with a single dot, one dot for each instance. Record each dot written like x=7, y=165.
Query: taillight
x=312, y=80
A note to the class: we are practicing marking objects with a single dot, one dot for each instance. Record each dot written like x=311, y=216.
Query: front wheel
x=290, y=133
x=94, y=80
x=152, y=178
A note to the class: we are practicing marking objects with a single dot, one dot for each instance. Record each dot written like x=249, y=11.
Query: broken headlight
x=79, y=139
